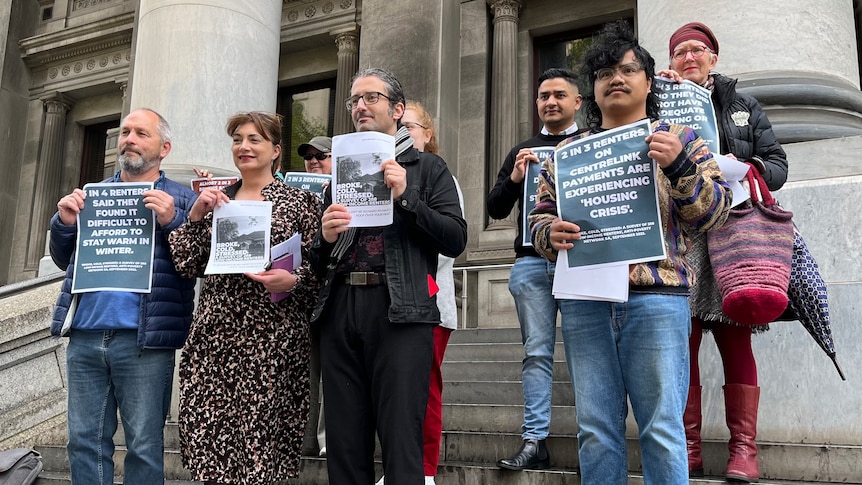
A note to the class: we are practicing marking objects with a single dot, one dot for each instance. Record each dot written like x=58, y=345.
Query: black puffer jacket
x=746, y=132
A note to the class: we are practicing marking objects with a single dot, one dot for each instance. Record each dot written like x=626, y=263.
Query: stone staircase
x=482, y=417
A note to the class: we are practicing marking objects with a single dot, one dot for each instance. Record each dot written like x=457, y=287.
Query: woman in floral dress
x=244, y=372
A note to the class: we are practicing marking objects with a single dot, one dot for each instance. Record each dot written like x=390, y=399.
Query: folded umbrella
x=808, y=301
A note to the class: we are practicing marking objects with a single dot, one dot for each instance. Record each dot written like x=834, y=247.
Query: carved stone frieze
x=82, y=7
x=303, y=11
x=100, y=62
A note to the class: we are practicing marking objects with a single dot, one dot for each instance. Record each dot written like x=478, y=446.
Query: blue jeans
x=530, y=283
x=107, y=371
x=640, y=349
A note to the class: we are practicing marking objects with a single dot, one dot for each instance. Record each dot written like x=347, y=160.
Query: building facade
x=71, y=69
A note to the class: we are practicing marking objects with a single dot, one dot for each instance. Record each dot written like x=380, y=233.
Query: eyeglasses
x=696, y=53
x=320, y=156
x=412, y=126
x=371, y=97
x=627, y=70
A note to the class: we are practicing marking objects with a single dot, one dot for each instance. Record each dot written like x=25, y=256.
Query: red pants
x=432, y=429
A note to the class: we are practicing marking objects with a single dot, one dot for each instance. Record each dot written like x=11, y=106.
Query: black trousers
x=375, y=377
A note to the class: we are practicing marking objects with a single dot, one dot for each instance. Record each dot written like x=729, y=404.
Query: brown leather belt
x=361, y=278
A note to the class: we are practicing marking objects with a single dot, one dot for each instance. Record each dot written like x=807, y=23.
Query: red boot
x=692, y=419
x=741, y=401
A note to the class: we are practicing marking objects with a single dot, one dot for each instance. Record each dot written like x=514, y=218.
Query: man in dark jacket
x=122, y=344
x=377, y=309
x=531, y=278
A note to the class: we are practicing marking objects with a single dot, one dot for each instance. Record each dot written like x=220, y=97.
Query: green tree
x=227, y=229
x=349, y=170
x=303, y=127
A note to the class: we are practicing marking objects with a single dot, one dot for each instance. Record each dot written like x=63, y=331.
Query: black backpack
x=20, y=466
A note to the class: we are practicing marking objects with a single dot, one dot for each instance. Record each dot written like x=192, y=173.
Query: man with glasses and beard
x=122, y=344
x=637, y=349
x=377, y=309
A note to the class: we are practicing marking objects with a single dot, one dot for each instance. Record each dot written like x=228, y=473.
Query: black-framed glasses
x=627, y=70
x=371, y=97
x=696, y=53
x=320, y=156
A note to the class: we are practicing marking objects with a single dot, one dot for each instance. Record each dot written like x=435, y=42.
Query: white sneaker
x=322, y=453
x=428, y=481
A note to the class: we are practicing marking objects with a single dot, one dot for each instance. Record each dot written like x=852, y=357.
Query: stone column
x=199, y=61
x=801, y=64
x=504, y=92
x=348, y=64
x=48, y=174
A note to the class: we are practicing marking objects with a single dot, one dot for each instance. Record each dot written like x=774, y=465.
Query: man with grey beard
x=121, y=344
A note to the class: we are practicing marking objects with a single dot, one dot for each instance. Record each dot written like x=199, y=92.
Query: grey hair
x=393, y=87
x=163, y=128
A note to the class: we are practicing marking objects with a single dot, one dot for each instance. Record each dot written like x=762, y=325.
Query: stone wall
x=32, y=366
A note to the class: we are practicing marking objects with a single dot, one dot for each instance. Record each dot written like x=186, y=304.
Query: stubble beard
x=136, y=165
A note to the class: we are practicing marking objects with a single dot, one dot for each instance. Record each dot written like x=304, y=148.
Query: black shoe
x=533, y=455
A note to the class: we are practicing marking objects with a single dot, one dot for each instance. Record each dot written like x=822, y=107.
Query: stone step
x=479, y=351
x=314, y=473
x=500, y=418
x=55, y=459
x=466, y=454
x=501, y=392
x=490, y=335
x=494, y=371
x=62, y=478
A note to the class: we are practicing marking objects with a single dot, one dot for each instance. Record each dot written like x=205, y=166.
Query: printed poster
x=200, y=183
x=240, y=237
x=115, y=239
x=357, y=180
x=531, y=186
x=688, y=104
x=606, y=184
x=312, y=182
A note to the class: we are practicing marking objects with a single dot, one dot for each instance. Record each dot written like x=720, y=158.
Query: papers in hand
x=357, y=179
x=605, y=283
x=240, y=237
x=734, y=171
x=286, y=256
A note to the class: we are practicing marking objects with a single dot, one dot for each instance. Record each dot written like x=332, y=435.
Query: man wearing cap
x=317, y=154
x=747, y=135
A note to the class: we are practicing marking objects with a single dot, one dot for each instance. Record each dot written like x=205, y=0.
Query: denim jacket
x=427, y=221
x=166, y=312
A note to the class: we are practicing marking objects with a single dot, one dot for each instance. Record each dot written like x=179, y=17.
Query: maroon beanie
x=694, y=31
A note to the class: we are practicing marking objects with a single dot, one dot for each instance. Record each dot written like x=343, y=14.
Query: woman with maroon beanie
x=746, y=135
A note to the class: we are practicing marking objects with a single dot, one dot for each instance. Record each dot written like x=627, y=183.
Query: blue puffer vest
x=166, y=312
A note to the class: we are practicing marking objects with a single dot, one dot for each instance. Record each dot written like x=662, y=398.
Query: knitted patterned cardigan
x=692, y=194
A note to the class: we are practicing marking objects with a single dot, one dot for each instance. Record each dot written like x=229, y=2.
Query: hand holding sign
x=563, y=233
x=664, y=147
x=207, y=201
x=70, y=206
x=162, y=203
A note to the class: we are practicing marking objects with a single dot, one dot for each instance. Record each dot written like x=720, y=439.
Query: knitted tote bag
x=751, y=255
